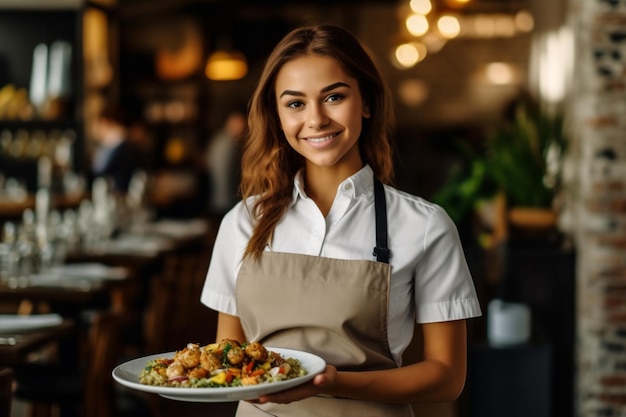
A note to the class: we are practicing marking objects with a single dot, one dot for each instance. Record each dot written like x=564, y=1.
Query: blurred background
x=509, y=115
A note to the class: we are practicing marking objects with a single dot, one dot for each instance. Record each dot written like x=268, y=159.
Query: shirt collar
x=298, y=186
x=362, y=181
x=355, y=185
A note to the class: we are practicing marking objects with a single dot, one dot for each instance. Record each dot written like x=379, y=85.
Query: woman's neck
x=321, y=184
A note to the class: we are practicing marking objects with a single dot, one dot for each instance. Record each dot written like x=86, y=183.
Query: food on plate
x=227, y=363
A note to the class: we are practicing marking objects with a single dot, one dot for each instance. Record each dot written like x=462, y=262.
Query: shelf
x=86, y=26
x=37, y=124
x=14, y=209
x=41, y=4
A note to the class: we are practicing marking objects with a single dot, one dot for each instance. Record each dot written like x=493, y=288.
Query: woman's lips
x=321, y=139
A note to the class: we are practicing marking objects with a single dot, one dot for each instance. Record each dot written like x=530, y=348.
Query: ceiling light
x=226, y=66
x=499, y=73
x=421, y=6
x=524, y=21
x=407, y=55
x=417, y=24
x=449, y=26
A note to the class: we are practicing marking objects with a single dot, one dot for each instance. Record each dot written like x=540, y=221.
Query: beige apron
x=317, y=305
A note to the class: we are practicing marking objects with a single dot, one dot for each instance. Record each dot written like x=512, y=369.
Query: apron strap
x=381, y=250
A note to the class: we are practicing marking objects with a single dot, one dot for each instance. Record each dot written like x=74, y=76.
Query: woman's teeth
x=322, y=139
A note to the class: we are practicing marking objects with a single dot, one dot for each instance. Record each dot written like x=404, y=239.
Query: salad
x=224, y=364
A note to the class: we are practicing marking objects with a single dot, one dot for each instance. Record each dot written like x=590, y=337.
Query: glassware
x=9, y=255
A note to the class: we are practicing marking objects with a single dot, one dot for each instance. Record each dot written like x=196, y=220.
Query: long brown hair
x=269, y=164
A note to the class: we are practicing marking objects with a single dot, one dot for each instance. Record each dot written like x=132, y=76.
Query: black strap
x=381, y=251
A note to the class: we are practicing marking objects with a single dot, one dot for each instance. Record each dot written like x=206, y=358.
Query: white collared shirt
x=430, y=280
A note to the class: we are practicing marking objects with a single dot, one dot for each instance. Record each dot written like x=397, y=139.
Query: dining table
x=24, y=335
x=71, y=292
x=116, y=274
x=143, y=247
x=68, y=287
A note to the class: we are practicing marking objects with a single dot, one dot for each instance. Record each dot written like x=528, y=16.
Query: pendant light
x=226, y=65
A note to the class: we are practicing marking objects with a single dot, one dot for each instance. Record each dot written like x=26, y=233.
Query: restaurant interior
x=492, y=98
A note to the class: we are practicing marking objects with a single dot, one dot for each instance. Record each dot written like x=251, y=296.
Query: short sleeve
x=218, y=291
x=444, y=289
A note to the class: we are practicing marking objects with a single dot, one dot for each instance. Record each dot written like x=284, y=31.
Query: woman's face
x=320, y=110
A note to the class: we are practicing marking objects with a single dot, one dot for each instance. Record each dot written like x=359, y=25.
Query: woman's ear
x=366, y=111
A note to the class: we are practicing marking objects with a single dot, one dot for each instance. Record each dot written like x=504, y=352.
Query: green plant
x=521, y=158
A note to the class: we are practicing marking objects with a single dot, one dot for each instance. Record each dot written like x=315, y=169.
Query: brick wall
x=596, y=213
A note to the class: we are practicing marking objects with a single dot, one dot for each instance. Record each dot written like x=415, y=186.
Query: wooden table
x=83, y=294
x=71, y=298
x=144, y=251
x=16, y=346
x=70, y=291
x=146, y=243
x=128, y=296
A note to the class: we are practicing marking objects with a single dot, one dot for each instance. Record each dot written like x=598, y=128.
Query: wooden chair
x=175, y=316
x=103, y=348
x=6, y=391
x=87, y=392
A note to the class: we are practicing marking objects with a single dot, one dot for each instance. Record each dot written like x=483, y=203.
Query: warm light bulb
x=499, y=73
x=417, y=24
x=524, y=21
x=225, y=66
x=407, y=55
x=421, y=6
x=449, y=26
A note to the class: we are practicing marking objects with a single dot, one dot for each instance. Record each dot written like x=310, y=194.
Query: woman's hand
x=318, y=385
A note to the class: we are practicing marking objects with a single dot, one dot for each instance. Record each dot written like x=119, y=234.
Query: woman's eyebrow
x=333, y=86
x=323, y=90
x=291, y=93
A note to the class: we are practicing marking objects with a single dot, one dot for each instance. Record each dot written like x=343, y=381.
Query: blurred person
x=222, y=163
x=116, y=156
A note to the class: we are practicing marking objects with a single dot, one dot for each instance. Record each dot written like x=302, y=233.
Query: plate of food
x=219, y=372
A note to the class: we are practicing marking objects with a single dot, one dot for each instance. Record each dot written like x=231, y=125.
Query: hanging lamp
x=226, y=65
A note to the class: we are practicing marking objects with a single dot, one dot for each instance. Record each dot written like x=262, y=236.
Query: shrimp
x=210, y=361
x=175, y=370
x=189, y=357
x=198, y=373
x=235, y=355
x=225, y=343
x=256, y=351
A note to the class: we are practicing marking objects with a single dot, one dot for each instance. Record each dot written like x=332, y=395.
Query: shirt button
x=348, y=186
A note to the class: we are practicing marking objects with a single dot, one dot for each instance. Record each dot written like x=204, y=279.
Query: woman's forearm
x=427, y=381
x=439, y=376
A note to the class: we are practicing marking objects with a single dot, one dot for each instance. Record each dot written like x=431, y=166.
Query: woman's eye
x=295, y=104
x=334, y=97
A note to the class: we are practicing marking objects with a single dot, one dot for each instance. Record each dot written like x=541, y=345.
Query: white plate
x=127, y=374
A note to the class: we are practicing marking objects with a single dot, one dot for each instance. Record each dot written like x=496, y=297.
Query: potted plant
x=519, y=160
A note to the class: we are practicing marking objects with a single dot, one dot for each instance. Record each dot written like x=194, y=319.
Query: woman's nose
x=317, y=117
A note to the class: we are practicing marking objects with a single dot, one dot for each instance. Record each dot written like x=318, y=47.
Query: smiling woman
x=302, y=262
x=320, y=109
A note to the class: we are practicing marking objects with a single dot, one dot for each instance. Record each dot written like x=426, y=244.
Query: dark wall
x=21, y=31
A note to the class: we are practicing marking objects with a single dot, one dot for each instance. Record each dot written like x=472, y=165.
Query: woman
x=294, y=263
